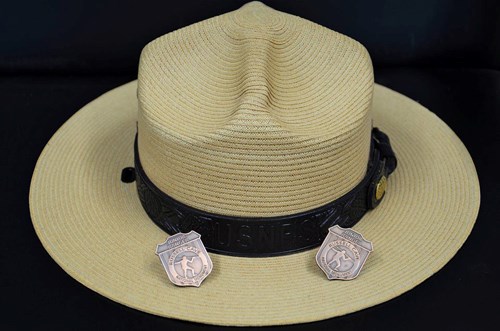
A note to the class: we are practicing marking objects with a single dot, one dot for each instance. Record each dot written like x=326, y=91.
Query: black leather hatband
x=270, y=236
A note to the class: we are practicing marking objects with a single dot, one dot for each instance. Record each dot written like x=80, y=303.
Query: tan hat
x=253, y=116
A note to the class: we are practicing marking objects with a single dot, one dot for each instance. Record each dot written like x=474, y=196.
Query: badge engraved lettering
x=185, y=259
x=343, y=253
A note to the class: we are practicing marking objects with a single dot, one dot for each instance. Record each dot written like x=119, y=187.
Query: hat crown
x=255, y=113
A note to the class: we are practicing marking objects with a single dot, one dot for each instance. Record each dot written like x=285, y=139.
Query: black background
x=56, y=56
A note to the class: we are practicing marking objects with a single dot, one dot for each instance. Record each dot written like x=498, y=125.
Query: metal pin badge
x=185, y=259
x=343, y=253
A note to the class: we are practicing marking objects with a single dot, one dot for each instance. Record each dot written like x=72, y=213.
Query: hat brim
x=95, y=228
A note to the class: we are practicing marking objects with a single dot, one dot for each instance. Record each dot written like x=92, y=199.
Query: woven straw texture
x=255, y=113
x=311, y=121
x=94, y=227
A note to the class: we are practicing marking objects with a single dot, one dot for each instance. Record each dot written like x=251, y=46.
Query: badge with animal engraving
x=185, y=259
x=343, y=253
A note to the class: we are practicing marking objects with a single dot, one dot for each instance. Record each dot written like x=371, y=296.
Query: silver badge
x=185, y=259
x=343, y=253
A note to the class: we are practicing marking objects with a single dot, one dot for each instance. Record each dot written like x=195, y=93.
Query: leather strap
x=269, y=236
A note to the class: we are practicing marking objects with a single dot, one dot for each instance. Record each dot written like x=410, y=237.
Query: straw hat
x=254, y=114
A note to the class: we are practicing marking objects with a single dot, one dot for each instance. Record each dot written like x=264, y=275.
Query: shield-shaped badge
x=343, y=253
x=185, y=259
